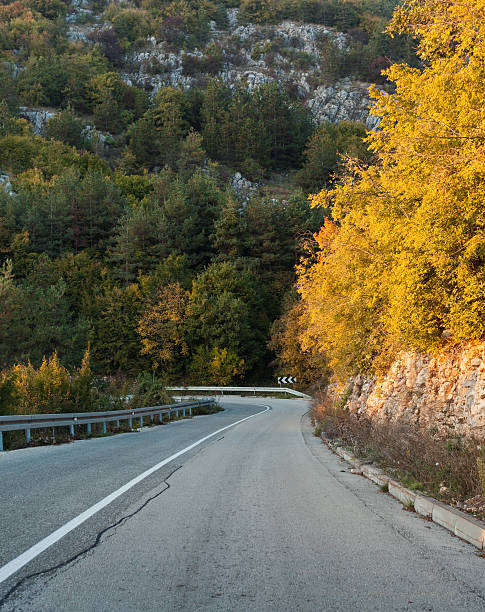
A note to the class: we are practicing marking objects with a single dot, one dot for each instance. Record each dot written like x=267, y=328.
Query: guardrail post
x=1, y=440
x=104, y=427
x=71, y=430
x=53, y=435
x=141, y=422
x=130, y=423
x=88, y=429
x=190, y=412
x=117, y=423
x=160, y=418
x=27, y=436
x=183, y=413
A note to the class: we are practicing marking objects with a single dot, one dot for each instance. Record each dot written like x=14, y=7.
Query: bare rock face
x=288, y=53
x=344, y=101
x=5, y=183
x=243, y=188
x=38, y=118
x=446, y=391
x=309, y=36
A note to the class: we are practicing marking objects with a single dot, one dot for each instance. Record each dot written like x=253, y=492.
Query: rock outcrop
x=242, y=187
x=288, y=53
x=445, y=392
x=37, y=117
x=6, y=184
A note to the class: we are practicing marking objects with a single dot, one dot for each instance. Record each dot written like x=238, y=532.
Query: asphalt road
x=259, y=517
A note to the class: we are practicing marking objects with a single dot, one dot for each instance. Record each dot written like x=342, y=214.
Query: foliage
x=35, y=318
x=226, y=311
x=306, y=366
x=326, y=151
x=113, y=330
x=447, y=469
x=403, y=261
x=70, y=212
x=66, y=128
x=83, y=393
x=45, y=390
x=216, y=366
x=138, y=248
x=148, y=391
x=161, y=326
x=261, y=126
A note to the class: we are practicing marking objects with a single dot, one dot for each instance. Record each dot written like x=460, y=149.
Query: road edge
x=460, y=524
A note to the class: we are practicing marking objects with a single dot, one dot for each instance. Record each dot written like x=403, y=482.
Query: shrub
x=149, y=391
x=67, y=128
x=450, y=469
x=46, y=390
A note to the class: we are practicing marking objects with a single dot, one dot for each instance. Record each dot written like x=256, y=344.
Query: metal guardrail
x=253, y=390
x=27, y=422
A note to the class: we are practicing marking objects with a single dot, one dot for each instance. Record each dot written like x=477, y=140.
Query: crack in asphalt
x=5, y=599
x=406, y=535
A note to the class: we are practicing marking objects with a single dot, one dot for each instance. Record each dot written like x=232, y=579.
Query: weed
x=385, y=487
x=411, y=483
x=481, y=474
x=451, y=470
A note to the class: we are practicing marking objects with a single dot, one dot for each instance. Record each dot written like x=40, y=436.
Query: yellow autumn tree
x=403, y=262
x=161, y=327
x=42, y=390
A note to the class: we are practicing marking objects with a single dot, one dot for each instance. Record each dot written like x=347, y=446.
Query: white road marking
x=13, y=566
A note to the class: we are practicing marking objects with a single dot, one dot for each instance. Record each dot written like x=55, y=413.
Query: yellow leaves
x=44, y=390
x=407, y=259
x=326, y=236
x=445, y=28
x=319, y=200
x=161, y=325
x=225, y=366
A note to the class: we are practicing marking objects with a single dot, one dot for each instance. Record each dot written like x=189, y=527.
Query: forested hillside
x=156, y=159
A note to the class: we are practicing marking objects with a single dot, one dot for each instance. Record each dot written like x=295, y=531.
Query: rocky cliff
x=288, y=53
x=446, y=392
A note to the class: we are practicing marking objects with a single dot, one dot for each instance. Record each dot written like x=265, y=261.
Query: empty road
x=261, y=516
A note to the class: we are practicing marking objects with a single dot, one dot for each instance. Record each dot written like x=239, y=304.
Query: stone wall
x=446, y=392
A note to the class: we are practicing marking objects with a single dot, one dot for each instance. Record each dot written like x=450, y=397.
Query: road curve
x=259, y=517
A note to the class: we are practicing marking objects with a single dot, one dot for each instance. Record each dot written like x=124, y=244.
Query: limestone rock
x=5, y=182
x=38, y=118
x=446, y=391
x=251, y=53
x=242, y=187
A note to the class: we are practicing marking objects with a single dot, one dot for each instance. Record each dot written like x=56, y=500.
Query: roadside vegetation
x=450, y=470
x=52, y=388
x=400, y=261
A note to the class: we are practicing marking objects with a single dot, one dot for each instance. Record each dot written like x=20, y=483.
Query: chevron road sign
x=285, y=380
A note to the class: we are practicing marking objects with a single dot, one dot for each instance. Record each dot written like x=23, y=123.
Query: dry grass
x=447, y=469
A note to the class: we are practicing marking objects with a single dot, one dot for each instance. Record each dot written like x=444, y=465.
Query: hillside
x=156, y=159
